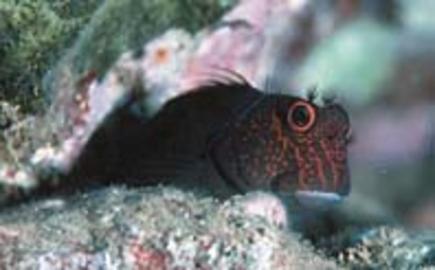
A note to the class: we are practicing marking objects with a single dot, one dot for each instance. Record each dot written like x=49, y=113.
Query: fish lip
x=318, y=199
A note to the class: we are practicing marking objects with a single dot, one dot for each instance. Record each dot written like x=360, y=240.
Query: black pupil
x=301, y=116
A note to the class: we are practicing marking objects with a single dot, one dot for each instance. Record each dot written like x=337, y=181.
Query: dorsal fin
x=218, y=75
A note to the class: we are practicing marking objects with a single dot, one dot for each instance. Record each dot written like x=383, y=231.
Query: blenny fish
x=227, y=137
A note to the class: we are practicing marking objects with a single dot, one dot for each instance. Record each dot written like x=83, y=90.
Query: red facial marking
x=301, y=118
x=319, y=166
x=330, y=162
x=316, y=143
x=289, y=144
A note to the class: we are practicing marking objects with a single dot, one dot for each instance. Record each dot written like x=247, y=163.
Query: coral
x=15, y=142
x=135, y=22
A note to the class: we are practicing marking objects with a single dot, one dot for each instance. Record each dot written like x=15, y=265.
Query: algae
x=35, y=34
x=32, y=36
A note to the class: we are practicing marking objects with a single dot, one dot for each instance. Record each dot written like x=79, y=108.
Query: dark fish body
x=227, y=138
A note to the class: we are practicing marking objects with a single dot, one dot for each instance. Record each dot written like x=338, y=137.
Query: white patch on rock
x=268, y=206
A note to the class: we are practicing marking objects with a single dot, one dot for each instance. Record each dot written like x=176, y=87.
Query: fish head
x=290, y=146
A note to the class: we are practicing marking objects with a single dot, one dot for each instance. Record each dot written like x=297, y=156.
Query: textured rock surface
x=152, y=228
x=391, y=248
x=166, y=228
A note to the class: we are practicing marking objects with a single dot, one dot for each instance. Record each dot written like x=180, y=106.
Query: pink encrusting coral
x=91, y=103
x=246, y=40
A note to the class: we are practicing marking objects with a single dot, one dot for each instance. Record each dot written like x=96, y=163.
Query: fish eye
x=301, y=116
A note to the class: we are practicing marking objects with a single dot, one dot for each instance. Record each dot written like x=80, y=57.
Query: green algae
x=32, y=36
x=35, y=34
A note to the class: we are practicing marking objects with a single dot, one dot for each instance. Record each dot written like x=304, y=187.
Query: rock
x=150, y=228
x=391, y=248
x=166, y=228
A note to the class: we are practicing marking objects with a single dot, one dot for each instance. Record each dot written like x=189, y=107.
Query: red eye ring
x=301, y=116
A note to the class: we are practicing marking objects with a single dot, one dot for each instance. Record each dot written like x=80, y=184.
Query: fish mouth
x=318, y=199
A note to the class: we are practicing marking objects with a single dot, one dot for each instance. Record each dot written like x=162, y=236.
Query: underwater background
x=66, y=65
